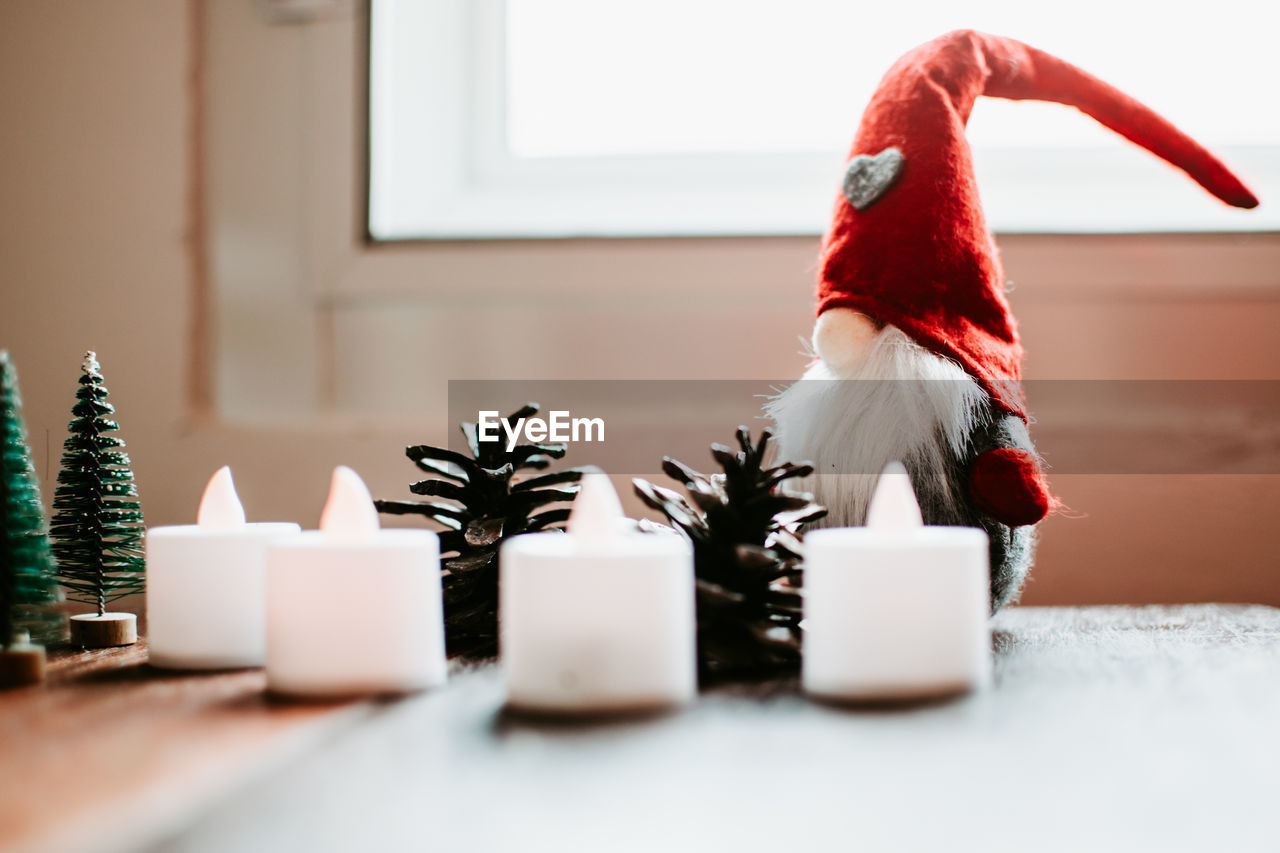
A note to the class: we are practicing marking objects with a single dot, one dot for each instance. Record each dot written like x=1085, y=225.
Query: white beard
x=897, y=402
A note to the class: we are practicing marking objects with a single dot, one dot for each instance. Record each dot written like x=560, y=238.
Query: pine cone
x=747, y=556
x=485, y=501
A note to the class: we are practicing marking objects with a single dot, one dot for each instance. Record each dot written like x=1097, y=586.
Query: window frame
x=453, y=179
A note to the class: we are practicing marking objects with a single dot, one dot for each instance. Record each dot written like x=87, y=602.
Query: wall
x=97, y=216
x=94, y=218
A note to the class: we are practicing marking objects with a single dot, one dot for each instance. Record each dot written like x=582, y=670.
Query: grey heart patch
x=866, y=178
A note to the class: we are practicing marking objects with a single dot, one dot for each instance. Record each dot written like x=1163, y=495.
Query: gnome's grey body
x=871, y=397
x=1012, y=549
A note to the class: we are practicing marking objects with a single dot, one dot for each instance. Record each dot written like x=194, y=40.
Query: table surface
x=1106, y=728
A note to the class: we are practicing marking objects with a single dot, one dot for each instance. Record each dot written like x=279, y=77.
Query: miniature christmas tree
x=485, y=501
x=27, y=581
x=97, y=525
x=745, y=534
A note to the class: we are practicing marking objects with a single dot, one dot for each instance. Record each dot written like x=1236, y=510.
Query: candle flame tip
x=220, y=507
x=349, y=509
x=893, y=503
x=597, y=510
x=895, y=468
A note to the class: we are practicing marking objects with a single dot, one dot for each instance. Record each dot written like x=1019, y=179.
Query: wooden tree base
x=110, y=629
x=20, y=664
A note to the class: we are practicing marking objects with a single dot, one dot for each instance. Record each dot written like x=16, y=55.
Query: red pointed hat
x=909, y=245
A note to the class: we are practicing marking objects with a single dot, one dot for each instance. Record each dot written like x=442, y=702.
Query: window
x=544, y=118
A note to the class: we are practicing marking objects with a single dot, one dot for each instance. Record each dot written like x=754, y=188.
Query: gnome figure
x=917, y=353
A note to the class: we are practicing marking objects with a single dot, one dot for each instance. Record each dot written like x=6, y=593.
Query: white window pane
x=562, y=118
x=590, y=78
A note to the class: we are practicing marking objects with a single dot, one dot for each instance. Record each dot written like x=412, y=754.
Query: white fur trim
x=910, y=406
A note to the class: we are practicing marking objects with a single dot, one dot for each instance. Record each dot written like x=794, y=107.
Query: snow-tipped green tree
x=97, y=524
x=28, y=585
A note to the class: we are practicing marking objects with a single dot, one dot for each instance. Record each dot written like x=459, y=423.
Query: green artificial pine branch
x=97, y=524
x=485, y=500
x=745, y=532
x=28, y=583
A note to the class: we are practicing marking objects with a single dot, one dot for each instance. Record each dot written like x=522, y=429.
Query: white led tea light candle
x=351, y=608
x=895, y=610
x=206, y=585
x=600, y=618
